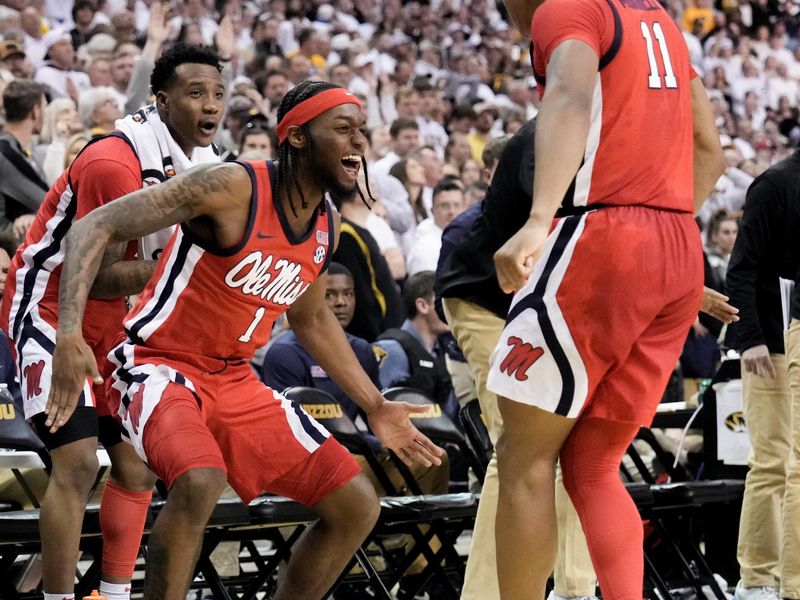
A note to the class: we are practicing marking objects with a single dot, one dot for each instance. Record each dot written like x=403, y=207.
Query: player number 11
x=654, y=80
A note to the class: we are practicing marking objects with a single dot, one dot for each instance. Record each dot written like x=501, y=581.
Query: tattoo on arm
x=123, y=279
x=198, y=191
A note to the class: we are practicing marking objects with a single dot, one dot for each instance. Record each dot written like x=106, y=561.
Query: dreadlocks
x=288, y=155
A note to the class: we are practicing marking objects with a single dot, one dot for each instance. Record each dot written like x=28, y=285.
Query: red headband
x=312, y=108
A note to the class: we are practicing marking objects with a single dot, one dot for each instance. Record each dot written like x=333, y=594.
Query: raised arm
x=709, y=161
x=214, y=190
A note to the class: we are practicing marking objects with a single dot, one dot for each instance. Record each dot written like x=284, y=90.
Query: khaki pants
x=477, y=331
x=790, y=546
x=769, y=530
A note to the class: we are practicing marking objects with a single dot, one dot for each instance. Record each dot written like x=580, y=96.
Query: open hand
x=716, y=305
x=391, y=424
x=73, y=362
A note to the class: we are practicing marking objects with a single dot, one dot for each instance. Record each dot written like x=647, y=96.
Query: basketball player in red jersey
x=189, y=91
x=189, y=402
x=626, y=151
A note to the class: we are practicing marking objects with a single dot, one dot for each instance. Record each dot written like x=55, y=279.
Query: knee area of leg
x=197, y=485
x=80, y=471
x=137, y=478
x=361, y=507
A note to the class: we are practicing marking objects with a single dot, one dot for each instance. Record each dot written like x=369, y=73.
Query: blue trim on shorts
x=308, y=426
x=535, y=301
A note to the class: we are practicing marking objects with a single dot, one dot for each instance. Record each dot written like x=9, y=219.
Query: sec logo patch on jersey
x=319, y=254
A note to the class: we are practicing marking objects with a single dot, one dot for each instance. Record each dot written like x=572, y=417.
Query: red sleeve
x=557, y=21
x=105, y=171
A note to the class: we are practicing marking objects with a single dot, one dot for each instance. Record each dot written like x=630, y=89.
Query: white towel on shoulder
x=160, y=158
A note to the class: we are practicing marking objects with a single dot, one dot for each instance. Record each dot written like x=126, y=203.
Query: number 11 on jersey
x=654, y=80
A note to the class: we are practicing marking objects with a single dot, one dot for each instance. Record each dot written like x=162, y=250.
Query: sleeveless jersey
x=222, y=303
x=35, y=271
x=639, y=149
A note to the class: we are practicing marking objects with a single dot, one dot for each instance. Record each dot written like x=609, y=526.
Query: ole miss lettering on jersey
x=202, y=297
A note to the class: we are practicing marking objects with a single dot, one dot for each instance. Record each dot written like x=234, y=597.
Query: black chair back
x=330, y=414
x=434, y=422
x=15, y=432
x=474, y=426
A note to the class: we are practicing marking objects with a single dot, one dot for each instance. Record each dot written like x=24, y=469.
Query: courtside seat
x=20, y=526
x=273, y=510
x=685, y=494
x=412, y=509
x=641, y=494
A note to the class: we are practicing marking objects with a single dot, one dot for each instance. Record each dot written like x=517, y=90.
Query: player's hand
x=716, y=305
x=757, y=361
x=514, y=261
x=73, y=362
x=391, y=423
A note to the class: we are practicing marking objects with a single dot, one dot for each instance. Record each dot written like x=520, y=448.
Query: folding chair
x=672, y=515
x=329, y=413
x=435, y=424
x=399, y=514
x=17, y=435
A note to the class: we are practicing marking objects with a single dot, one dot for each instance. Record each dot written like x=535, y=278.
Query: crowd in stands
x=438, y=80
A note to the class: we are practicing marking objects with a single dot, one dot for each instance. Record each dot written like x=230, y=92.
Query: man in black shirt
x=378, y=303
x=767, y=248
x=23, y=186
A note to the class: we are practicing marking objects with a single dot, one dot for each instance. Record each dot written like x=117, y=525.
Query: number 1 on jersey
x=654, y=80
x=245, y=337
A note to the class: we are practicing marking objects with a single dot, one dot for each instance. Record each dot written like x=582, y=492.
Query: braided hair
x=289, y=156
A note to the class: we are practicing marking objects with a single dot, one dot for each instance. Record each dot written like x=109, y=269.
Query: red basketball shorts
x=209, y=414
x=34, y=346
x=600, y=324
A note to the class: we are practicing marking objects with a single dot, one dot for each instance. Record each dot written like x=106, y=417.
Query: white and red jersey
x=105, y=170
x=222, y=303
x=640, y=145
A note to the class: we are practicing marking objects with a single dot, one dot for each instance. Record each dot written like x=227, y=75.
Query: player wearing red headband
x=189, y=402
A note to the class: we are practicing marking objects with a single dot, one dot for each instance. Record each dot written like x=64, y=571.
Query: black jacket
x=767, y=247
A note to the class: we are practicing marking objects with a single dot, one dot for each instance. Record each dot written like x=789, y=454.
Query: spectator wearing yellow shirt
x=309, y=42
x=481, y=131
x=701, y=11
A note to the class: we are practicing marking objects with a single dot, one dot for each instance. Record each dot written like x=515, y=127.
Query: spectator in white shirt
x=404, y=135
x=780, y=85
x=748, y=81
x=448, y=202
x=58, y=71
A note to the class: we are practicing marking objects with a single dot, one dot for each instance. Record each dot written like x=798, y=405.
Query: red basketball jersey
x=105, y=170
x=640, y=145
x=221, y=303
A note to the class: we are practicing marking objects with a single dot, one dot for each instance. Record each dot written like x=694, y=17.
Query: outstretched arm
x=322, y=336
x=214, y=190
